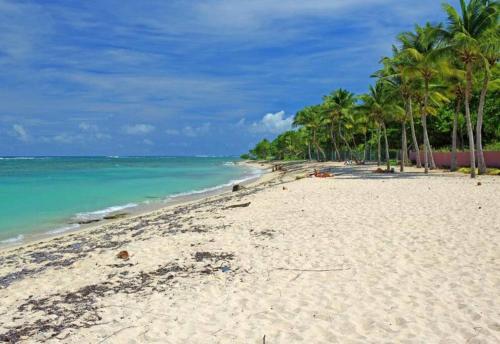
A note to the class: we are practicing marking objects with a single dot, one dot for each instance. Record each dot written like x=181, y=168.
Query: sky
x=179, y=77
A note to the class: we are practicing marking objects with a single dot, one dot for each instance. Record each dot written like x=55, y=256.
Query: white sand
x=359, y=258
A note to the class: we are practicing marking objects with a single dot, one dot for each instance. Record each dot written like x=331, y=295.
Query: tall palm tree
x=454, y=84
x=312, y=118
x=471, y=35
x=379, y=103
x=398, y=83
x=362, y=125
x=423, y=48
x=490, y=48
x=338, y=106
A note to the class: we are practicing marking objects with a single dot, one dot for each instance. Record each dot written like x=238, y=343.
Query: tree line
x=438, y=90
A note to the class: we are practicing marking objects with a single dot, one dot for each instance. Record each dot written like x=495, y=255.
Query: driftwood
x=242, y=205
x=319, y=174
x=379, y=170
x=314, y=270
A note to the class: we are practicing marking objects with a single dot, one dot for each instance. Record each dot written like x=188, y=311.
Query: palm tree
x=473, y=36
x=423, y=50
x=312, y=118
x=455, y=89
x=380, y=105
x=399, y=84
x=338, y=106
x=362, y=124
x=490, y=53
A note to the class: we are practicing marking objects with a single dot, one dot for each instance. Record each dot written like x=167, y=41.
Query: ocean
x=49, y=195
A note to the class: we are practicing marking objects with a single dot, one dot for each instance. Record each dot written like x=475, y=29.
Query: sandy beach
x=356, y=258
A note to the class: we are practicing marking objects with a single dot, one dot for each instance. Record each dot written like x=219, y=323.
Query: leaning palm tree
x=473, y=35
x=423, y=51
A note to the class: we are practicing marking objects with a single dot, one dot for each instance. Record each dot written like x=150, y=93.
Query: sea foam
x=100, y=214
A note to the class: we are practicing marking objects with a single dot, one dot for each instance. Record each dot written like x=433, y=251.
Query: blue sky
x=176, y=77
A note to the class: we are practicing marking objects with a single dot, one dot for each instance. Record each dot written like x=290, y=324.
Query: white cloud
x=62, y=138
x=20, y=133
x=241, y=122
x=84, y=126
x=172, y=132
x=196, y=131
x=87, y=133
x=148, y=142
x=91, y=131
x=274, y=123
x=138, y=129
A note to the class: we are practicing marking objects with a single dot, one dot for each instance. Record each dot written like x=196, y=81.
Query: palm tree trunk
x=429, y=149
x=315, y=145
x=426, y=157
x=334, y=142
x=479, y=126
x=468, y=92
x=453, y=163
x=404, y=147
x=345, y=141
x=387, y=160
x=426, y=134
x=318, y=148
x=365, y=148
x=414, y=135
x=379, y=147
x=322, y=152
x=309, y=150
x=427, y=144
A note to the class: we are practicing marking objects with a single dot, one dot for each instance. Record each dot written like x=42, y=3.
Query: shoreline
x=138, y=209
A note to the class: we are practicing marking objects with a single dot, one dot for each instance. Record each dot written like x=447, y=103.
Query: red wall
x=463, y=159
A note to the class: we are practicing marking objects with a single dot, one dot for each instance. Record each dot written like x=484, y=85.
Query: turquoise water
x=50, y=194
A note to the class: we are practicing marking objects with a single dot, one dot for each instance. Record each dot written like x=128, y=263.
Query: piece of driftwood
x=313, y=270
x=379, y=170
x=321, y=174
x=242, y=205
x=278, y=167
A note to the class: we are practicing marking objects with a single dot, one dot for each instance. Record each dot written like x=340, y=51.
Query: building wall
x=463, y=159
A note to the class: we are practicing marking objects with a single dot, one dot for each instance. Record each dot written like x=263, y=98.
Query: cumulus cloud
x=20, y=133
x=138, y=129
x=274, y=123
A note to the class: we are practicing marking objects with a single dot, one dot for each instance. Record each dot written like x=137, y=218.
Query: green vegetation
x=439, y=90
x=489, y=171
